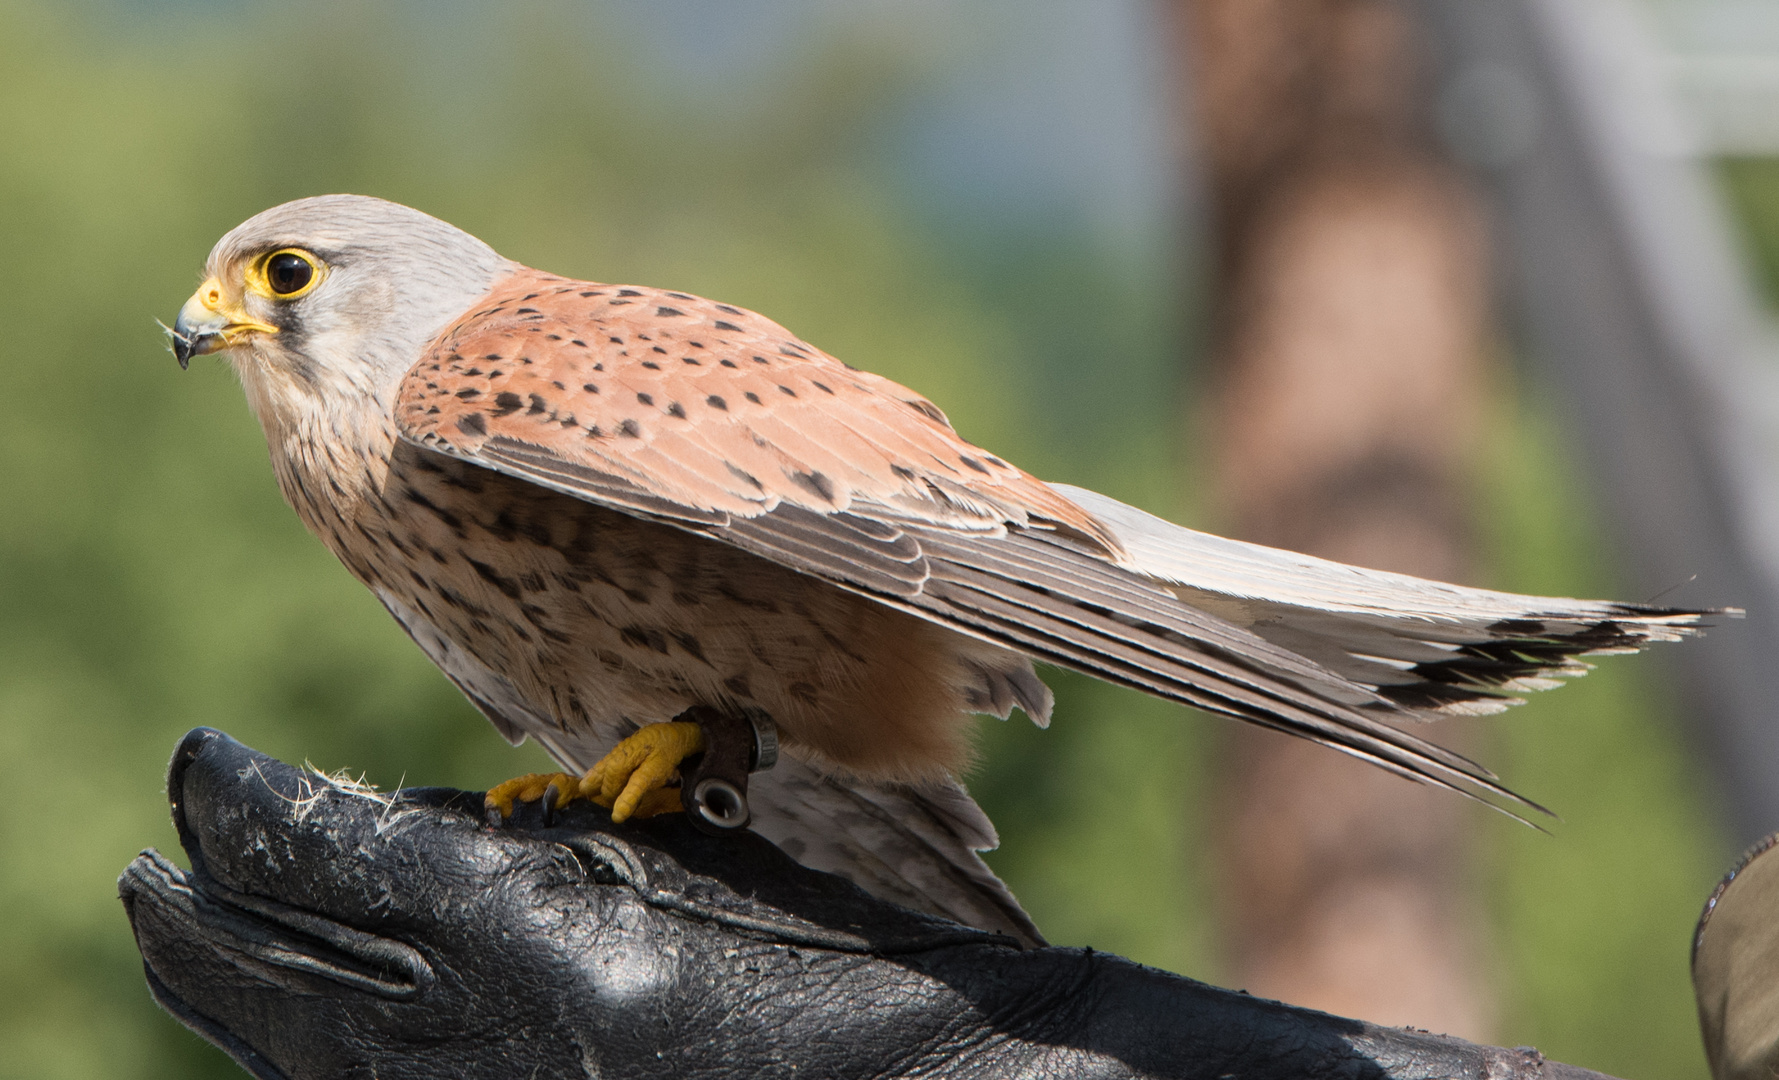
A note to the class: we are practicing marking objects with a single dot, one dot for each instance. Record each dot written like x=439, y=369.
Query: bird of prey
x=597, y=507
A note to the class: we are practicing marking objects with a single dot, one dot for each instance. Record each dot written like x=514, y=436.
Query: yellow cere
x=210, y=297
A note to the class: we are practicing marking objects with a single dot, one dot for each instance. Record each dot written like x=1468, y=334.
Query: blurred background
x=1469, y=288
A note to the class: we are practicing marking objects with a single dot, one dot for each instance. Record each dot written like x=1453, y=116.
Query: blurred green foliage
x=1593, y=925
x=1753, y=188
x=151, y=579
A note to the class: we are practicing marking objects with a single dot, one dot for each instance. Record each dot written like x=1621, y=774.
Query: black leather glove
x=1736, y=968
x=330, y=931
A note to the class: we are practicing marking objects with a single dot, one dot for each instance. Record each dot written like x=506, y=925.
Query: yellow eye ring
x=285, y=274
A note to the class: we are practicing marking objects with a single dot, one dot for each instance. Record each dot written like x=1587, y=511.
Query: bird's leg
x=714, y=788
x=632, y=779
x=711, y=751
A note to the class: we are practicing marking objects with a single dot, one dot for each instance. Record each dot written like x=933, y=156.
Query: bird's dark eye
x=288, y=273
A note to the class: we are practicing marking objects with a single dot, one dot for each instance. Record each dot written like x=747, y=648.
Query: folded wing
x=717, y=421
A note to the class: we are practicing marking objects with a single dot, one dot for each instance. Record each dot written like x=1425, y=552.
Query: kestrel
x=600, y=507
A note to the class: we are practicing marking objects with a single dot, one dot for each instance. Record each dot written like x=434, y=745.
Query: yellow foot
x=533, y=787
x=530, y=788
x=632, y=779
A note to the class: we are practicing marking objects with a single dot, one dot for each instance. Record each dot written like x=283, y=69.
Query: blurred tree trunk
x=1351, y=294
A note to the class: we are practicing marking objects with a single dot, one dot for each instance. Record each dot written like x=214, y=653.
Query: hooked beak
x=208, y=323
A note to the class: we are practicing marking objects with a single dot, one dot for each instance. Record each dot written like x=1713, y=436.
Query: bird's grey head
x=332, y=295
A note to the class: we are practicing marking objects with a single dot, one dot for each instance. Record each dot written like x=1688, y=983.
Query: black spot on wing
x=816, y=484
x=744, y=476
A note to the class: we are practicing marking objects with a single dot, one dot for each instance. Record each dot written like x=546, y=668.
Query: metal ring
x=720, y=803
x=765, y=740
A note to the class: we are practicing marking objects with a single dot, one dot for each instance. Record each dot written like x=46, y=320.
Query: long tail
x=1433, y=648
